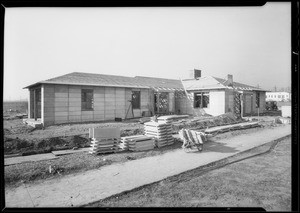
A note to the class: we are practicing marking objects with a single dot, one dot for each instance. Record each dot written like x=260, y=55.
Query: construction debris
x=221, y=129
x=161, y=131
x=205, y=122
x=105, y=140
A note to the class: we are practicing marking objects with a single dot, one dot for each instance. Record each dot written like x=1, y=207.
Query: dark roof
x=160, y=83
x=92, y=79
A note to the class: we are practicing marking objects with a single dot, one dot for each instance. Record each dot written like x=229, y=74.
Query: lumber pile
x=140, y=143
x=226, y=128
x=104, y=140
x=171, y=118
x=124, y=145
x=162, y=132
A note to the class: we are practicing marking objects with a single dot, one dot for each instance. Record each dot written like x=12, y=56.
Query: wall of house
x=229, y=100
x=183, y=106
x=62, y=104
x=249, y=102
x=216, y=103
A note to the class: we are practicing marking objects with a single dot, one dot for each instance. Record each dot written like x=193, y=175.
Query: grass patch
x=263, y=181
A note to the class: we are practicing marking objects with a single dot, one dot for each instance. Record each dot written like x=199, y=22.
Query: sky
x=251, y=43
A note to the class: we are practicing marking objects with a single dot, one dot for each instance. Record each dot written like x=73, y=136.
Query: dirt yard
x=262, y=181
x=19, y=138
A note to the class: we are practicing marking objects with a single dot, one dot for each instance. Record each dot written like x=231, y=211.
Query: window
x=201, y=100
x=87, y=100
x=136, y=99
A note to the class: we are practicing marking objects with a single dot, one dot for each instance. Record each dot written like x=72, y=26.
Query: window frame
x=85, y=102
x=201, y=105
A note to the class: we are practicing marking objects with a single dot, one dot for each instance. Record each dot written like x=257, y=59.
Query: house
x=278, y=96
x=217, y=96
x=85, y=97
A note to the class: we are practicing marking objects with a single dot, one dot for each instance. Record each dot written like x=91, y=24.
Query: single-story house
x=217, y=96
x=84, y=97
x=278, y=96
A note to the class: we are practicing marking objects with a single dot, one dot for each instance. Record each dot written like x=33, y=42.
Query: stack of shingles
x=104, y=140
x=141, y=143
x=162, y=131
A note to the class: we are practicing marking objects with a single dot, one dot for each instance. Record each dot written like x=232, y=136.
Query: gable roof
x=92, y=79
x=158, y=84
x=210, y=82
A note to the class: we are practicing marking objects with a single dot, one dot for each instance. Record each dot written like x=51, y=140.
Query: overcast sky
x=251, y=43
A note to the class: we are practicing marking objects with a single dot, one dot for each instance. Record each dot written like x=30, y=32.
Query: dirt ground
x=25, y=140
x=75, y=163
x=262, y=181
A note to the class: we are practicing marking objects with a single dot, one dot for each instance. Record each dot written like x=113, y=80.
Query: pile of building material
x=124, y=145
x=104, y=140
x=192, y=139
x=171, y=118
x=162, y=132
x=140, y=143
x=221, y=129
x=205, y=122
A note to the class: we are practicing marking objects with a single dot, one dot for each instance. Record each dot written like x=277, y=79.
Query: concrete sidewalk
x=94, y=185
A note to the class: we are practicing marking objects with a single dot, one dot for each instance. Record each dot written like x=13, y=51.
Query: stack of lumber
x=124, y=145
x=226, y=128
x=140, y=143
x=171, y=118
x=104, y=140
x=162, y=131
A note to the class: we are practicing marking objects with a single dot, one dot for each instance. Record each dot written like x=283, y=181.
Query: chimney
x=194, y=74
x=229, y=80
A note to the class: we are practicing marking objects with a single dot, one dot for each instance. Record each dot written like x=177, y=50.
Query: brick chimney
x=229, y=80
x=194, y=74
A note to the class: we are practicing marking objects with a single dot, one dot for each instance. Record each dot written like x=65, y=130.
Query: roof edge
x=86, y=84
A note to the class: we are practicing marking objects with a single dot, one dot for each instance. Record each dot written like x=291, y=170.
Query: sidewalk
x=94, y=185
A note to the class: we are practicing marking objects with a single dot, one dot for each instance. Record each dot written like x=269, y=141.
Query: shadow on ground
x=213, y=146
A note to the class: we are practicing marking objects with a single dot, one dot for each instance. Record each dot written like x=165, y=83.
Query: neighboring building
x=278, y=96
x=84, y=97
x=218, y=96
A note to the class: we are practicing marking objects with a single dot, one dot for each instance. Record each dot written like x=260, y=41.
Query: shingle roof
x=160, y=83
x=92, y=79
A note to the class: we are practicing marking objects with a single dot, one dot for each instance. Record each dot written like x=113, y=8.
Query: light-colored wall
x=62, y=104
x=216, y=103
